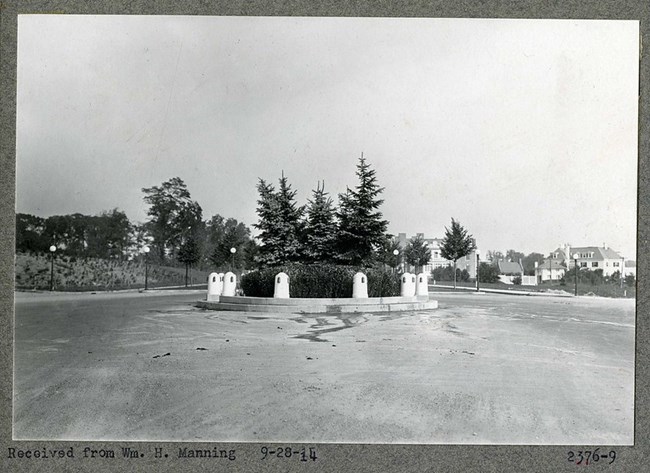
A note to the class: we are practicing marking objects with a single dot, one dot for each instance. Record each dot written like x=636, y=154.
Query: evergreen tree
x=456, y=244
x=417, y=253
x=320, y=228
x=267, y=212
x=361, y=227
x=292, y=226
x=280, y=224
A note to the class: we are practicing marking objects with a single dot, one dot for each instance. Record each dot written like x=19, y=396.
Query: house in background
x=509, y=270
x=630, y=267
x=468, y=263
x=436, y=261
x=551, y=269
x=589, y=257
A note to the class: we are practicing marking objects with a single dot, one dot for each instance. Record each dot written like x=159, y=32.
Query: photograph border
x=331, y=457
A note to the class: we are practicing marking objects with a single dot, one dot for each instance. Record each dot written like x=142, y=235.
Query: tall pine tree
x=361, y=227
x=280, y=224
x=320, y=228
x=267, y=211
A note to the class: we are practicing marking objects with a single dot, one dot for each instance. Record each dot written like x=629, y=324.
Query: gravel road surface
x=484, y=369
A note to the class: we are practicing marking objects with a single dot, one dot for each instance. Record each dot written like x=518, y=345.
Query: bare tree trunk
x=454, y=274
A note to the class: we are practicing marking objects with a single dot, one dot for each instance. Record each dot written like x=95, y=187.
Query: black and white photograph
x=325, y=229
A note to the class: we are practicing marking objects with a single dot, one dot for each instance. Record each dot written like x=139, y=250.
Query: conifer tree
x=361, y=227
x=320, y=227
x=279, y=223
x=456, y=244
x=267, y=211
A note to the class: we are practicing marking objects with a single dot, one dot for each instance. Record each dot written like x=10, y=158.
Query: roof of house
x=599, y=253
x=609, y=253
x=509, y=267
x=555, y=264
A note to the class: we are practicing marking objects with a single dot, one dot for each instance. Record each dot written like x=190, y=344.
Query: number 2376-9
x=585, y=457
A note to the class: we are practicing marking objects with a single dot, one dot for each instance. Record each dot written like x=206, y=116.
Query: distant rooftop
x=509, y=267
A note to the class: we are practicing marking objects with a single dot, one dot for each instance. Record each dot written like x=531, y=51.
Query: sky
x=525, y=131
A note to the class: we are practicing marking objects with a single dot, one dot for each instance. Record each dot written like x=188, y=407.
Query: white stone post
x=360, y=286
x=215, y=285
x=407, y=285
x=229, y=284
x=281, y=290
x=422, y=288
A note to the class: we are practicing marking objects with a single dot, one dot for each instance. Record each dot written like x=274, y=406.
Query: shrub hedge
x=320, y=280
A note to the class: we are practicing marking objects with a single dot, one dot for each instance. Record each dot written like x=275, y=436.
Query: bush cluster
x=446, y=273
x=320, y=280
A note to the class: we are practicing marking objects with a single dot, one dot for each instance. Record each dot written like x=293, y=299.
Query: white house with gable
x=589, y=257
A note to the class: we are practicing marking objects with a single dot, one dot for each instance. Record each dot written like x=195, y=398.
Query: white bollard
x=215, y=285
x=229, y=284
x=422, y=287
x=281, y=290
x=360, y=286
x=408, y=285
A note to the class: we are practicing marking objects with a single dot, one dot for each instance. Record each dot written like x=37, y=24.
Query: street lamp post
x=52, y=250
x=233, y=250
x=478, y=255
x=396, y=254
x=146, y=267
x=575, y=267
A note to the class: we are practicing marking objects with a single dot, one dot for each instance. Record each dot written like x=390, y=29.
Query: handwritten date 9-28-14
x=303, y=454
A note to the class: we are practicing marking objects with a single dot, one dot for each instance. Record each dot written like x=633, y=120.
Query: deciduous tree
x=172, y=213
x=529, y=262
x=386, y=253
x=488, y=273
x=417, y=253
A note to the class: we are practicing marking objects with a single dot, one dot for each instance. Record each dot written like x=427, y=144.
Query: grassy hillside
x=70, y=274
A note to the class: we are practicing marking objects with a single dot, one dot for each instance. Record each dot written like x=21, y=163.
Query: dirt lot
x=481, y=369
